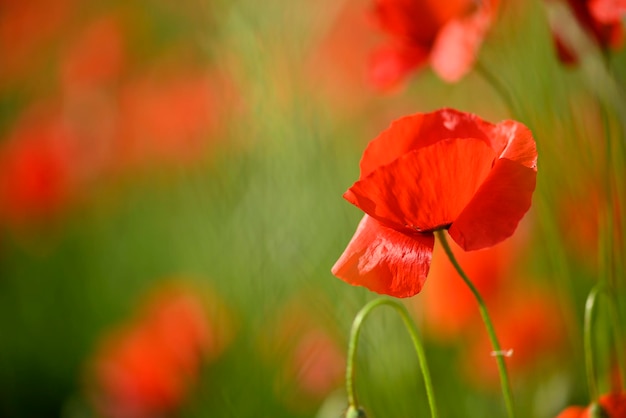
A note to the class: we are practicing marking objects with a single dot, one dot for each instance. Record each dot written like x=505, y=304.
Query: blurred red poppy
x=450, y=306
x=530, y=330
x=304, y=350
x=145, y=369
x=26, y=28
x=601, y=19
x=446, y=34
x=167, y=118
x=95, y=57
x=432, y=171
x=613, y=405
x=37, y=172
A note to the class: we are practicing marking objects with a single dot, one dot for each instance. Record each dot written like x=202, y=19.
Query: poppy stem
x=419, y=349
x=587, y=343
x=499, y=354
x=590, y=308
x=504, y=94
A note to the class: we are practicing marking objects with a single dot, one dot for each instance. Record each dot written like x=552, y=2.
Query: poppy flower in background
x=432, y=171
x=531, y=328
x=146, y=368
x=305, y=352
x=167, y=117
x=613, y=405
x=38, y=176
x=601, y=19
x=450, y=306
x=26, y=29
x=445, y=34
x=95, y=57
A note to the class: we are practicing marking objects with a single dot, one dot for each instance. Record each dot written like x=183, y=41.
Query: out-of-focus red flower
x=450, y=306
x=96, y=56
x=25, y=28
x=601, y=19
x=38, y=174
x=310, y=361
x=613, y=405
x=337, y=64
x=317, y=363
x=531, y=329
x=431, y=171
x=166, y=118
x=445, y=34
x=589, y=210
x=607, y=11
x=145, y=368
x=572, y=412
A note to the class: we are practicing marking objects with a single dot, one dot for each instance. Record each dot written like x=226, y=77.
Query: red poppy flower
x=426, y=172
x=448, y=34
x=613, y=405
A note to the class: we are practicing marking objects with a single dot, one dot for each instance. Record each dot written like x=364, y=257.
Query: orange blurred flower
x=530, y=329
x=613, y=405
x=167, y=118
x=310, y=359
x=449, y=306
x=146, y=368
x=38, y=176
x=26, y=27
x=95, y=57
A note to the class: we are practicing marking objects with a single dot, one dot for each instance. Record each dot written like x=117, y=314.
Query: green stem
x=498, y=86
x=411, y=328
x=587, y=344
x=499, y=355
x=590, y=307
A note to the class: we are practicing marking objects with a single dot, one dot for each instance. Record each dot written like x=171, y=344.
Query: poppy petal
x=425, y=189
x=607, y=11
x=496, y=208
x=385, y=260
x=421, y=130
x=457, y=45
x=572, y=412
x=390, y=66
x=514, y=141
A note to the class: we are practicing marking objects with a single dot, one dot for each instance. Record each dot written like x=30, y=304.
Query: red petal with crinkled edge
x=514, y=141
x=496, y=208
x=427, y=188
x=386, y=261
x=421, y=130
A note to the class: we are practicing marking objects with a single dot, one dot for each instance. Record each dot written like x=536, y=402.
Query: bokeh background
x=170, y=207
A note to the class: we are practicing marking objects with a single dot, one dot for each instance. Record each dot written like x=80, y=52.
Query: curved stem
x=499, y=354
x=411, y=328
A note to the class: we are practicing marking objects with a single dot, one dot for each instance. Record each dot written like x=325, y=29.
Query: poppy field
x=362, y=208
